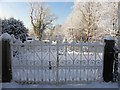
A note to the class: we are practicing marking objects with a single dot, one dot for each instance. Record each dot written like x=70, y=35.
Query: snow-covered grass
x=89, y=85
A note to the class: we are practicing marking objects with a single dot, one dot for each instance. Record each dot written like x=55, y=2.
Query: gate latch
x=50, y=67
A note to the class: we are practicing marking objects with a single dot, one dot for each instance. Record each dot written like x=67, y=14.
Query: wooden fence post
x=108, y=60
x=6, y=59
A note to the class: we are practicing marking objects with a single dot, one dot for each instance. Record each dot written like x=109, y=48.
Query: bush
x=15, y=27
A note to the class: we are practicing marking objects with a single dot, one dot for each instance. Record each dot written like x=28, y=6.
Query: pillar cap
x=5, y=36
x=109, y=37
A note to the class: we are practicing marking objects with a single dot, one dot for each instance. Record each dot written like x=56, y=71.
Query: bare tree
x=90, y=20
x=41, y=18
x=90, y=17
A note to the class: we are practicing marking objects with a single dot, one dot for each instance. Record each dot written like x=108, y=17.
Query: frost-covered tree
x=52, y=34
x=90, y=20
x=57, y=31
x=15, y=27
x=41, y=18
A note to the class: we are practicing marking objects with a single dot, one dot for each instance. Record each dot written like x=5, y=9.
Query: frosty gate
x=40, y=62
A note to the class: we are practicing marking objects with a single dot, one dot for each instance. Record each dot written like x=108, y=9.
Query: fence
x=40, y=62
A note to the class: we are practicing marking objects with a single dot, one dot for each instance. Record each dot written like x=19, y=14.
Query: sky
x=20, y=10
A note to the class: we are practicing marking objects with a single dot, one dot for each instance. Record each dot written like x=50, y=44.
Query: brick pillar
x=6, y=60
x=108, y=60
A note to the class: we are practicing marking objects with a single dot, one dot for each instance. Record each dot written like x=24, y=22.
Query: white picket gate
x=39, y=62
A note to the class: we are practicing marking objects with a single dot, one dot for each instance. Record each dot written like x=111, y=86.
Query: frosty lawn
x=90, y=85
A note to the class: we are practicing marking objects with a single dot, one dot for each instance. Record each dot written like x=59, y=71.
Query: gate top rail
x=38, y=43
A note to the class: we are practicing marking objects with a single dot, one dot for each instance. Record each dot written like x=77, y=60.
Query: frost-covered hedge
x=15, y=27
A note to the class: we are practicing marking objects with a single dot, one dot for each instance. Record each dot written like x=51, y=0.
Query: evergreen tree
x=15, y=27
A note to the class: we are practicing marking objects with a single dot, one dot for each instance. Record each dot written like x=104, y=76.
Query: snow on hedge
x=109, y=37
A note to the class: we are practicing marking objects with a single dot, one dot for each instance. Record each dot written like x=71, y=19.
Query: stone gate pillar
x=108, y=59
x=6, y=57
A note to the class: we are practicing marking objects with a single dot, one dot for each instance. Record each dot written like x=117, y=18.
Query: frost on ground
x=90, y=85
